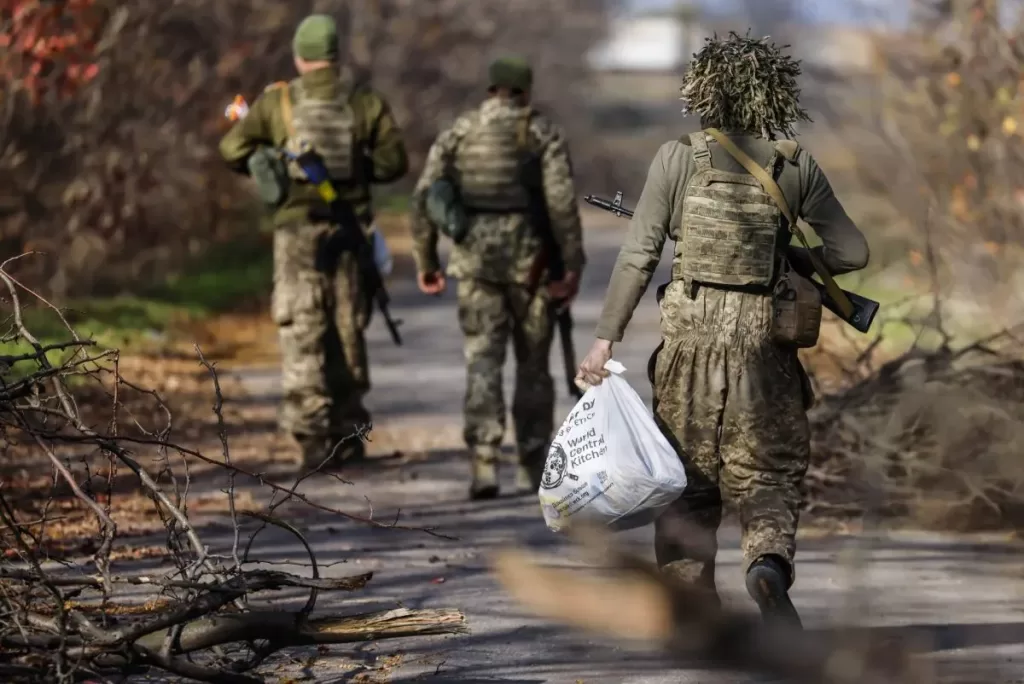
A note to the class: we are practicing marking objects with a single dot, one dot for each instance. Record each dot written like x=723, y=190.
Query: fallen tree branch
x=60, y=626
x=283, y=629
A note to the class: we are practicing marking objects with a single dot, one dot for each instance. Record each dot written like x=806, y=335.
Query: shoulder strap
x=286, y=108
x=701, y=153
x=772, y=188
x=353, y=101
x=523, y=129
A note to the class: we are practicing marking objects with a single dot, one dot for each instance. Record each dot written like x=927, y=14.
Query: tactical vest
x=329, y=126
x=730, y=226
x=488, y=163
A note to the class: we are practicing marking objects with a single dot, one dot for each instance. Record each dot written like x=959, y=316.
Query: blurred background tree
x=111, y=111
x=941, y=139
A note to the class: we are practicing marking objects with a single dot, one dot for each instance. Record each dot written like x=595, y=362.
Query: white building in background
x=647, y=43
x=662, y=43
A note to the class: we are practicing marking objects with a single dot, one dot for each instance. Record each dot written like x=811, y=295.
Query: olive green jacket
x=384, y=153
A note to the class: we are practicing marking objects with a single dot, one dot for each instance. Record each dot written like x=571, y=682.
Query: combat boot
x=524, y=481
x=529, y=473
x=484, y=466
x=313, y=449
x=345, y=453
x=768, y=585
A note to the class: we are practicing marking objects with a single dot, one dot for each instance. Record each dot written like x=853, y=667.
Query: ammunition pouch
x=443, y=208
x=796, y=310
x=270, y=174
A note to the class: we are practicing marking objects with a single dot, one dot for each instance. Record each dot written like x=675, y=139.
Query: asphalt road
x=967, y=594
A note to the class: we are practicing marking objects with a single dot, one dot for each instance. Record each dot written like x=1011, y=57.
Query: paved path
x=973, y=592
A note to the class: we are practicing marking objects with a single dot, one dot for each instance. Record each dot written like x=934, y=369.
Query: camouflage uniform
x=318, y=303
x=495, y=265
x=731, y=400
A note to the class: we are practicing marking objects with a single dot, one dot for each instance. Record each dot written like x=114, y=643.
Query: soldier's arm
x=424, y=233
x=250, y=133
x=560, y=198
x=844, y=248
x=641, y=252
x=389, y=160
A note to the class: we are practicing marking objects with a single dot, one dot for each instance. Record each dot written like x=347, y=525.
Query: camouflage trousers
x=490, y=316
x=734, y=406
x=321, y=312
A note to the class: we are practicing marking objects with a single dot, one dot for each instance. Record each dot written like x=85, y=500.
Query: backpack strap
x=523, y=129
x=286, y=104
x=701, y=153
x=773, y=190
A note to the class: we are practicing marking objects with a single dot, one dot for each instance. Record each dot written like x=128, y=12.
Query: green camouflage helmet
x=744, y=84
x=510, y=72
x=316, y=39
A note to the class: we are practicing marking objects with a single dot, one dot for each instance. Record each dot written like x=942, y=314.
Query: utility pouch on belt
x=443, y=208
x=270, y=175
x=796, y=302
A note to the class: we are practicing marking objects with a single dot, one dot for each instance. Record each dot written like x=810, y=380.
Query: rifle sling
x=772, y=188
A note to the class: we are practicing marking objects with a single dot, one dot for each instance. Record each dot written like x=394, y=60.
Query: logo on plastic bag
x=554, y=467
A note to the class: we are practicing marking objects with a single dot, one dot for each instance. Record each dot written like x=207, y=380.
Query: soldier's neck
x=508, y=100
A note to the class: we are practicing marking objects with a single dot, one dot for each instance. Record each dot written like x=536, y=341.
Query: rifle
x=864, y=309
x=563, y=315
x=344, y=217
x=551, y=256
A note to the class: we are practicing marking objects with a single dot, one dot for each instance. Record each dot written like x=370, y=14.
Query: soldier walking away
x=729, y=390
x=319, y=302
x=510, y=168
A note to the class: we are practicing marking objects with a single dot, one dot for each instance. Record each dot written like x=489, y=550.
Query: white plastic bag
x=609, y=463
x=381, y=253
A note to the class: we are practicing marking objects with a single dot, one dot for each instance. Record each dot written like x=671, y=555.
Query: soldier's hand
x=566, y=288
x=431, y=283
x=592, y=371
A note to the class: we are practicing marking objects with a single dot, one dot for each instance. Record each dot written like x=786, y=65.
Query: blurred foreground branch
x=63, y=620
x=679, y=622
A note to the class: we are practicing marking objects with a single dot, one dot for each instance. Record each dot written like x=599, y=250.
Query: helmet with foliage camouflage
x=744, y=84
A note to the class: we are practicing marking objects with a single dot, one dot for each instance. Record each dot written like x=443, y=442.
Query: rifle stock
x=864, y=309
x=564, y=320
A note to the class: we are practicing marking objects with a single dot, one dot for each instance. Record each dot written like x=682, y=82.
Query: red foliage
x=49, y=47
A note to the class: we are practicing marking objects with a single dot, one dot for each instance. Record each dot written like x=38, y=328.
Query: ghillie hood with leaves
x=744, y=84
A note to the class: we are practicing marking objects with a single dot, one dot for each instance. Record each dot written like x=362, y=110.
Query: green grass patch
x=228, y=277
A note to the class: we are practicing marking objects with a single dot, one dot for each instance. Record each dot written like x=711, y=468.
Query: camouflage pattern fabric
x=321, y=313
x=497, y=302
x=730, y=225
x=487, y=164
x=490, y=315
x=734, y=406
x=329, y=126
x=502, y=248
